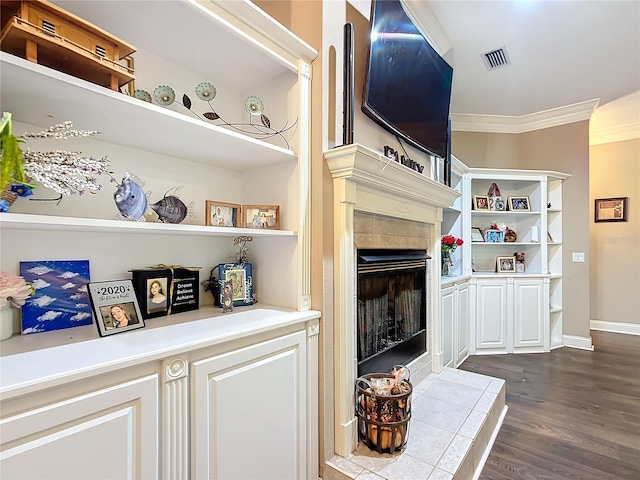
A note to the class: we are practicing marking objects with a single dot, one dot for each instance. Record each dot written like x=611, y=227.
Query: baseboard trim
x=487, y=451
x=615, y=327
x=582, y=343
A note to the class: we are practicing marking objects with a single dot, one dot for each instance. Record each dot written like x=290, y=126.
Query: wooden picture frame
x=506, y=264
x=261, y=216
x=611, y=209
x=481, y=202
x=476, y=234
x=518, y=204
x=222, y=214
x=115, y=303
x=493, y=236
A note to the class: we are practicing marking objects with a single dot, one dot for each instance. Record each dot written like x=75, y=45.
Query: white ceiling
x=562, y=52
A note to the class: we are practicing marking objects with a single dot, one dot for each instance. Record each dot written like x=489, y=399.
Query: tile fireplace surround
x=378, y=203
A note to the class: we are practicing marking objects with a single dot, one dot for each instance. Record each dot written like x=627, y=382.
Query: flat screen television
x=408, y=84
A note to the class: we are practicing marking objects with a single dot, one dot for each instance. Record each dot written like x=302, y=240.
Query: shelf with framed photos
x=532, y=209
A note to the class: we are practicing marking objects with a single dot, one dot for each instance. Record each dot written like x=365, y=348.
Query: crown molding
x=554, y=117
x=614, y=134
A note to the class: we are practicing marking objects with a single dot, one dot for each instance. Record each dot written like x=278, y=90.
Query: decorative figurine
x=170, y=208
x=130, y=199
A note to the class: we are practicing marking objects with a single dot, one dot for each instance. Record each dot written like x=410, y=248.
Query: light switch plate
x=578, y=257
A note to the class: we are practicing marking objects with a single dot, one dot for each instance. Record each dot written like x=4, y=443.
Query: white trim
x=615, y=327
x=487, y=451
x=554, y=117
x=619, y=133
x=573, y=341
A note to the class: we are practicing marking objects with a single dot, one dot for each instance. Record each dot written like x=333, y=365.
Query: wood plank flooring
x=573, y=414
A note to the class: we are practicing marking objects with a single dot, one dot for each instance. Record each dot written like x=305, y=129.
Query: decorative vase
x=7, y=315
x=446, y=264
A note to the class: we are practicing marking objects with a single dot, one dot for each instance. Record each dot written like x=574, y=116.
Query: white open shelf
x=73, y=224
x=35, y=94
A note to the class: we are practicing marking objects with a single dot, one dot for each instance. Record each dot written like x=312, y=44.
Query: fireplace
x=379, y=205
x=391, y=308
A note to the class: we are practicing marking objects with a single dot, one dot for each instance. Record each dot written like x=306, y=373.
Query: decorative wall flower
x=206, y=91
x=164, y=95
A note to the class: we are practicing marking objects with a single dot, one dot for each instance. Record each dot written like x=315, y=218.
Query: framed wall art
x=115, y=307
x=261, y=216
x=481, y=202
x=221, y=214
x=60, y=300
x=611, y=209
x=518, y=204
x=506, y=264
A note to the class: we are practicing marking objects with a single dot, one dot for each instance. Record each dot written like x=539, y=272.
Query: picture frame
x=261, y=216
x=476, y=234
x=506, y=264
x=518, y=204
x=241, y=277
x=493, y=236
x=152, y=288
x=114, y=303
x=611, y=209
x=481, y=202
x=222, y=214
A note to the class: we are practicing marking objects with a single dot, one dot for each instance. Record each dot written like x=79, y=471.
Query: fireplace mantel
x=364, y=180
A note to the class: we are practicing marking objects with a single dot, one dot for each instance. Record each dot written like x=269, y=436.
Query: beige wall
x=615, y=246
x=564, y=149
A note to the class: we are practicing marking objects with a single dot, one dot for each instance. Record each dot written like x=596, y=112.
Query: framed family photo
x=506, y=264
x=493, y=236
x=221, y=214
x=611, y=209
x=115, y=307
x=261, y=216
x=518, y=204
x=481, y=202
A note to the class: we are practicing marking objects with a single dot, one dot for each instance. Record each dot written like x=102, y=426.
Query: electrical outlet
x=578, y=257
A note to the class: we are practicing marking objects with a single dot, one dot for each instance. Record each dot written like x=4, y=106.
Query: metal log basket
x=383, y=419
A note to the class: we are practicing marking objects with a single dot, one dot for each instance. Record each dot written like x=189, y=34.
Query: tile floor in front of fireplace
x=454, y=415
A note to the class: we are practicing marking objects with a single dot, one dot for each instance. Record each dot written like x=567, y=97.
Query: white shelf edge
x=502, y=212
x=23, y=221
x=555, y=309
x=506, y=243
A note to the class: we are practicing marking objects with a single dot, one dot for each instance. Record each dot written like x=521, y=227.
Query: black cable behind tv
x=447, y=158
x=347, y=90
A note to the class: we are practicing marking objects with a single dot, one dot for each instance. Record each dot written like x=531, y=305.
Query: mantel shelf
x=74, y=224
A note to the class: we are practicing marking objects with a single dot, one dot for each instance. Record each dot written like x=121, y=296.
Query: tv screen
x=408, y=84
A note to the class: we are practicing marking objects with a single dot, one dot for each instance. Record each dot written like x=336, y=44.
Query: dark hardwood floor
x=573, y=414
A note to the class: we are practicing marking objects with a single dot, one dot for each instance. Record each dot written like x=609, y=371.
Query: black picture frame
x=179, y=288
x=241, y=277
x=610, y=209
x=114, y=303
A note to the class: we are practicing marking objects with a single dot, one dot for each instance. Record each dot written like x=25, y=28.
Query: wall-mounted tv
x=408, y=84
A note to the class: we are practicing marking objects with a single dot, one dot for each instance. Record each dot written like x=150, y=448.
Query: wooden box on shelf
x=46, y=34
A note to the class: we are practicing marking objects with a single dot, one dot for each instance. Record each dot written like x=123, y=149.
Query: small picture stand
x=241, y=277
x=506, y=264
x=493, y=236
x=115, y=307
x=227, y=297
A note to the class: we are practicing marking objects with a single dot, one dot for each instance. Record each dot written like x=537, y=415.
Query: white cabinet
x=111, y=432
x=454, y=323
x=182, y=401
x=510, y=316
x=251, y=402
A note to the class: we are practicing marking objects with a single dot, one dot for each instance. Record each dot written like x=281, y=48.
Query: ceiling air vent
x=496, y=58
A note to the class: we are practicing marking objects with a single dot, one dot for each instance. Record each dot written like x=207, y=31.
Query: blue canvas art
x=61, y=298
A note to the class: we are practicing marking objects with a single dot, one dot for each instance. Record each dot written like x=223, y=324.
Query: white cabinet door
x=462, y=324
x=249, y=417
x=448, y=319
x=531, y=318
x=492, y=315
x=106, y=434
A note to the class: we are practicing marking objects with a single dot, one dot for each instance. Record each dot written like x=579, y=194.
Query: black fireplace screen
x=391, y=308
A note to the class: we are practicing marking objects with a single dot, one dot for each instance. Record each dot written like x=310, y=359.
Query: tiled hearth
x=455, y=416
